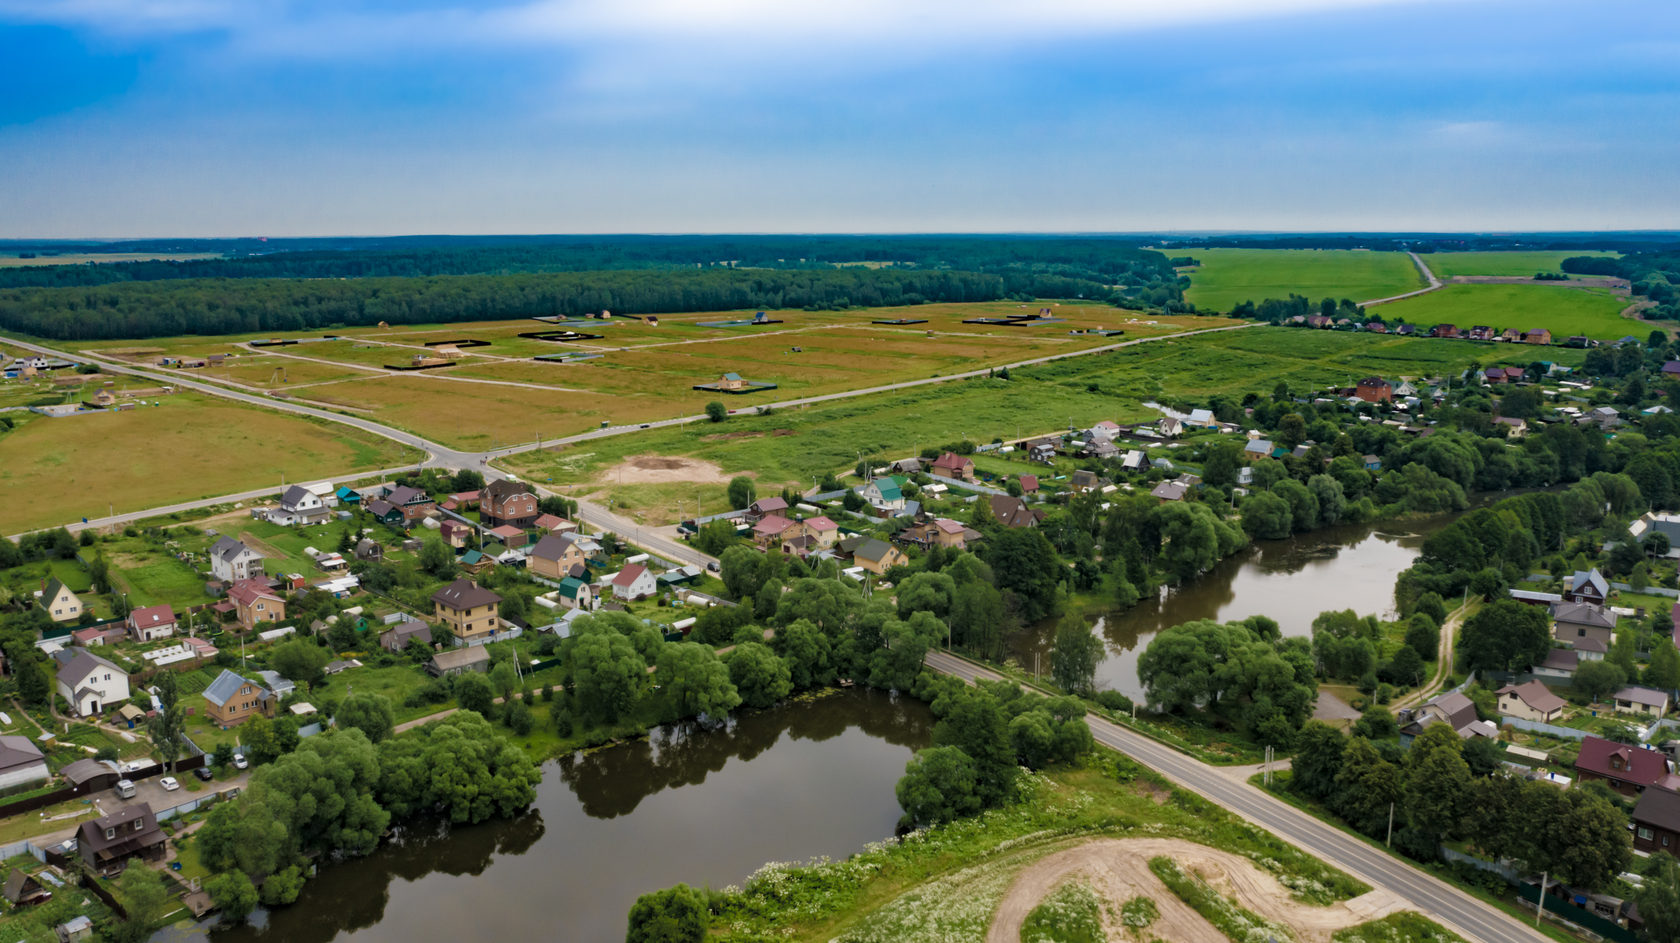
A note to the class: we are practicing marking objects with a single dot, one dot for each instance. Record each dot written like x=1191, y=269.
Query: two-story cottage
x=151, y=623
x=61, y=604
x=634, y=582
x=299, y=506
x=821, y=531
x=414, y=504
x=555, y=557
x=233, y=699
x=89, y=683
x=255, y=603
x=232, y=561
x=106, y=843
x=1374, y=390
x=1656, y=821
x=773, y=528
x=1574, y=622
x=506, y=502
x=1013, y=512
x=764, y=507
x=1588, y=586
x=878, y=556
x=468, y=610
x=883, y=494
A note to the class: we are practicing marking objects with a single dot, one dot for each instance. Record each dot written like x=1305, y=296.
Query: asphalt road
x=1464, y=914
x=1423, y=269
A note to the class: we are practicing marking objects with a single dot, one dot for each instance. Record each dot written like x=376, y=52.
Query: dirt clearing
x=1118, y=869
x=662, y=469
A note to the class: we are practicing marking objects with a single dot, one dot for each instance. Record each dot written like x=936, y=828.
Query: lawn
x=1446, y=264
x=797, y=446
x=1228, y=277
x=186, y=448
x=1593, y=312
x=151, y=575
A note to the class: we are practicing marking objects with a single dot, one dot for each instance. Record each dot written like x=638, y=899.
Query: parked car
x=204, y=774
x=125, y=789
x=169, y=783
x=239, y=761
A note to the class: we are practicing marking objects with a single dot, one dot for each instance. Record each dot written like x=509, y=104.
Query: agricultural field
x=11, y=260
x=639, y=371
x=1228, y=277
x=1448, y=264
x=185, y=447
x=1565, y=311
x=657, y=476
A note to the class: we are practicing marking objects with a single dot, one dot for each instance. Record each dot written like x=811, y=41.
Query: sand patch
x=663, y=469
x=1118, y=870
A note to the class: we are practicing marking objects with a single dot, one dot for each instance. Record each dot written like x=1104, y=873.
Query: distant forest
x=1106, y=260
x=259, y=305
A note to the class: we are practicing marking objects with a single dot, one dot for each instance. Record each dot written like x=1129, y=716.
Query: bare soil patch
x=663, y=469
x=1118, y=869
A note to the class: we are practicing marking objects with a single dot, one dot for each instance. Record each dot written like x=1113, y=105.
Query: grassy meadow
x=1523, y=263
x=55, y=471
x=1593, y=312
x=1228, y=277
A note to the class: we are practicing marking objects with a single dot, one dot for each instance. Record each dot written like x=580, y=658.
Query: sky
x=137, y=118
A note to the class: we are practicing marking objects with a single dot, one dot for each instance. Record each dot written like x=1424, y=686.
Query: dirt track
x=662, y=469
x=1118, y=870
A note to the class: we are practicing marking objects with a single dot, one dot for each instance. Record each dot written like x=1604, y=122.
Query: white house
x=634, y=582
x=883, y=493
x=150, y=623
x=232, y=561
x=89, y=683
x=299, y=505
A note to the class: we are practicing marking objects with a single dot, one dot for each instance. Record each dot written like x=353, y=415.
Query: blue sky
x=298, y=117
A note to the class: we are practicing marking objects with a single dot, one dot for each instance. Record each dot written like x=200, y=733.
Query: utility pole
x=1390, y=837
x=1540, y=904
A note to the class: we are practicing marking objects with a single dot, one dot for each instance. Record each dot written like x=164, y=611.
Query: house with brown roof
x=1029, y=483
x=772, y=529
x=952, y=465
x=1374, y=390
x=553, y=524
x=1540, y=336
x=414, y=504
x=106, y=843
x=456, y=534
x=467, y=610
x=1626, y=769
x=508, y=535
x=764, y=507
x=22, y=890
x=1453, y=709
x=1444, y=330
x=1013, y=512
x=254, y=603
x=150, y=623
x=1170, y=491
x=1531, y=701
x=506, y=502
x=231, y=700
x=556, y=558
x=822, y=532
x=941, y=532
x=1574, y=621
x=1656, y=821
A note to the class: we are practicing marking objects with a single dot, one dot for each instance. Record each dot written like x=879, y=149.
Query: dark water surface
x=1292, y=581
x=806, y=779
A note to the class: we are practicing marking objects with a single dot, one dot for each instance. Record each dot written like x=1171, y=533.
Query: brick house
x=467, y=609
x=1374, y=390
x=414, y=504
x=255, y=603
x=508, y=502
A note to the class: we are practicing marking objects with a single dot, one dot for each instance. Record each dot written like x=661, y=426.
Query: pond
x=706, y=807
x=1292, y=581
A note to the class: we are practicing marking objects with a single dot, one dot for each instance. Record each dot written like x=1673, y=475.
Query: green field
x=1593, y=312
x=56, y=471
x=1228, y=277
x=1446, y=264
x=796, y=446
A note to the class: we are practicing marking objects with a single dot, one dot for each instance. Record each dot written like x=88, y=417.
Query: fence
x=1535, y=726
x=1559, y=906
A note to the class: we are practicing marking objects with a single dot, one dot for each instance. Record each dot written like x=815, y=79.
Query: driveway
x=148, y=791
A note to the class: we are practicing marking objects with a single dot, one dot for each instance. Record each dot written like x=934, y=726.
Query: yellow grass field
x=11, y=260
x=55, y=471
x=499, y=395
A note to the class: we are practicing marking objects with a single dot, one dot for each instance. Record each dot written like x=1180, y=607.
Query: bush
x=1114, y=701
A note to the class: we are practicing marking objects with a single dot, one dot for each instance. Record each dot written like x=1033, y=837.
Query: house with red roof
x=509, y=535
x=1029, y=484
x=821, y=531
x=1625, y=768
x=634, y=582
x=952, y=465
x=151, y=622
x=772, y=529
x=255, y=603
x=553, y=524
x=455, y=533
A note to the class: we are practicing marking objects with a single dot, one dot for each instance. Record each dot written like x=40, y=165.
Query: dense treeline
x=229, y=306
x=1106, y=261
x=1655, y=275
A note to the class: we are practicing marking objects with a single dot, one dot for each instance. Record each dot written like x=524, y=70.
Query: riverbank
x=946, y=883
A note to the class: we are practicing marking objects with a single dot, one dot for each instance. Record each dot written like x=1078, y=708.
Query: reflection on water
x=1293, y=580
x=816, y=778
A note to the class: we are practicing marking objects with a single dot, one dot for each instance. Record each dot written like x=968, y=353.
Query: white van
x=125, y=789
